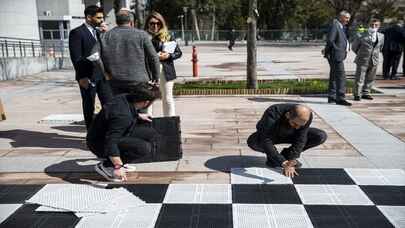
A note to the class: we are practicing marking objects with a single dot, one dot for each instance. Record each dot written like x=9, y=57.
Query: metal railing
x=266, y=35
x=20, y=48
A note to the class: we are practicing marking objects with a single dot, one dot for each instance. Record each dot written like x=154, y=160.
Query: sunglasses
x=152, y=23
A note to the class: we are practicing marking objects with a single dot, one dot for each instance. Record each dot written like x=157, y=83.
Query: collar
x=90, y=27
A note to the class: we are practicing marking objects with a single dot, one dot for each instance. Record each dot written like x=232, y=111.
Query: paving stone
x=338, y=162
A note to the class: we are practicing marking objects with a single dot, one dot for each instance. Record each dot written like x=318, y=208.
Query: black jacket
x=116, y=120
x=394, y=39
x=274, y=127
x=81, y=43
x=168, y=65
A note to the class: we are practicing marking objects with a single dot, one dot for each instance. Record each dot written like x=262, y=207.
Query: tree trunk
x=139, y=11
x=251, y=47
x=195, y=23
x=213, y=25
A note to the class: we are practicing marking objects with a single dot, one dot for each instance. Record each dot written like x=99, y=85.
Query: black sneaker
x=107, y=172
x=367, y=97
x=331, y=100
x=356, y=98
x=343, y=102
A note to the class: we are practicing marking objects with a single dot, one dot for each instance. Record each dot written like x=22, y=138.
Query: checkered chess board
x=256, y=197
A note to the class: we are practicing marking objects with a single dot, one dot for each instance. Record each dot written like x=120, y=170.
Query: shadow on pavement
x=78, y=171
x=226, y=163
x=72, y=128
x=26, y=138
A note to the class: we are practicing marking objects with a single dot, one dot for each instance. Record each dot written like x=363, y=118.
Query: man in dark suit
x=91, y=79
x=336, y=49
x=392, y=50
x=286, y=123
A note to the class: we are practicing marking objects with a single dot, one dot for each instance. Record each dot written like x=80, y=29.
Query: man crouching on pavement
x=120, y=134
x=285, y=123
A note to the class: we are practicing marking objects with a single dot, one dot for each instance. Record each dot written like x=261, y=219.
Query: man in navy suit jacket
x=91, y=79
x=336, y=49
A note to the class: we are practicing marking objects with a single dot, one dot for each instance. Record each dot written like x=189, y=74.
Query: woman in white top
x=168, y=50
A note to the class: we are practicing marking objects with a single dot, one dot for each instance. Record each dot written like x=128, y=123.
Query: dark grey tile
x=195, y=215
x=14, y=194
x=322, y=176
x=26, y=216
x=150, y=193
x=346, y=216
x=385, y=195
x=265, y=194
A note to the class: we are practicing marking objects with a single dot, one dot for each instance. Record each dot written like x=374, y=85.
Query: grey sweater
x=125, y=53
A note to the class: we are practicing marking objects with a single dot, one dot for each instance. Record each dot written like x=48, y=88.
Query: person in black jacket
x=285, y=123
x=91, y=79
x=120, y=135
x=392, y=50
x=168, y=51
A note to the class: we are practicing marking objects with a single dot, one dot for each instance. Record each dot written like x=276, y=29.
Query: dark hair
x=373, y=20
x=124, y=17
x=143, y=92
x=92, y=10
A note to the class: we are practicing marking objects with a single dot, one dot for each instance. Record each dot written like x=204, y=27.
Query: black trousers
x=102, y=89
x=337, y=80
x=315, y=137
x=390, y=64
x=135, y=148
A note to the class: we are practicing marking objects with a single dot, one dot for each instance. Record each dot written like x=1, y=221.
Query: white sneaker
x=107, y=172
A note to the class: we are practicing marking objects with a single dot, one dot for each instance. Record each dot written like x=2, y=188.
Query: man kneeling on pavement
x=286, y=123
x=120, y=134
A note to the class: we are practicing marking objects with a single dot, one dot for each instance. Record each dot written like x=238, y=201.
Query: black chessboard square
x=17, y=194
x=264, y=194
x=150, y=193
x=385, y=195
x=338, y=216
x=322, y=176
x=195, y=215
x=26, y=216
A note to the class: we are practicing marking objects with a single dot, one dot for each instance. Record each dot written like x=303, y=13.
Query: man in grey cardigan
x=128, y=55
x=367, y=48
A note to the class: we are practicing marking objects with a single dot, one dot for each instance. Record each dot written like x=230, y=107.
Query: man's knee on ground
x=320, y=137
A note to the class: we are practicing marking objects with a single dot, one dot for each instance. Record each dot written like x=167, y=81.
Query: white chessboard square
x=258, y=176
x=199, y=193
x=270, y=215
x=394, y=177
x=144, y=216
x=395, y=214
x=6, y=210
x=83, y=198
x=332, y=195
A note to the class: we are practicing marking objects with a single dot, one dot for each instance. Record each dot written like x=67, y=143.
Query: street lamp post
x=185, y=8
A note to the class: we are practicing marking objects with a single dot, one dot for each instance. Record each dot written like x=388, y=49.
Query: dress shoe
x=331, y=100
x=367, y=97
x=356, y=98
x=343, y=102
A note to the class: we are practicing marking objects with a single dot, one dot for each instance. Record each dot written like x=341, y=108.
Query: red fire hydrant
x=195, y=60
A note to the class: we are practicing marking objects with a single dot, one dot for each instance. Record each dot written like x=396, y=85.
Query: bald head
x=299, y=116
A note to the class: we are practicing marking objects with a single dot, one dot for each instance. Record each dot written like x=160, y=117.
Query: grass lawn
x=310, y=86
